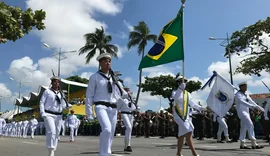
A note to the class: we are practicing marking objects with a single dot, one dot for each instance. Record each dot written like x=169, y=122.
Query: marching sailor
x=2, y=124
x=52, y=104
x=181, y=115
x=127, y=108
x=72, y=122
x=33, y=125
x=104, y=91
x=243, y=104
x=222, y=127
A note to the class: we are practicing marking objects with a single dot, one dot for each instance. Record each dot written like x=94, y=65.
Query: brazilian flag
x=169, y=47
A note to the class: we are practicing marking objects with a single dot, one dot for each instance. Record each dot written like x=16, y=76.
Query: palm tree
x=139, y=37
x=98, y=42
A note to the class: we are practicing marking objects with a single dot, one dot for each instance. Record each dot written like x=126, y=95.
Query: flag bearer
x=181, y=115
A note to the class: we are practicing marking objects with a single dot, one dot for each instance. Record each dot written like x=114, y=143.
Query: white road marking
x=32, y=143
x=210, y=146
x=116, y=155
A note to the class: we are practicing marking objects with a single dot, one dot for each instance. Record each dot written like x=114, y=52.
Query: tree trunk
x=140, y=82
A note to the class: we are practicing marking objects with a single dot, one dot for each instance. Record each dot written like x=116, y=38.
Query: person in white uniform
x=78, y=123
x=25, y=126
x=222, y=127
x=181, y=115
x=72, y=121
x=2, y=124
x=103, y=91
x=127, y=108
x=33, y=126
x=52, y=103
x=243, y=104
x=266, y=110
x=63, y=126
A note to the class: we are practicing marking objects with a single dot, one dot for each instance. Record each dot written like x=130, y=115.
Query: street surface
x=88, y=146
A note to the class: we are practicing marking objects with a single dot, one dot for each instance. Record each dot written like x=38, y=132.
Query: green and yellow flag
x=169, y=47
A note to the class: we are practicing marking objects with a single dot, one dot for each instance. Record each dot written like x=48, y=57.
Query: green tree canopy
x=253, y=41
x=96, y=42
x=77, y=78
x=15, y=23
x=163, y=85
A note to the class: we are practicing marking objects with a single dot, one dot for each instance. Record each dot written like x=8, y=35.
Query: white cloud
x=122, y=35
x=86, y=75
x=128, y=25
x=158, y=70
x=121, y=51
x=67, y=21
x=4, y=91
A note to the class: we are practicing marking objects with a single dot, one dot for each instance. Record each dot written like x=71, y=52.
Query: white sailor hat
x=242, y=83
x=104, y=55
x=55, y=78
x=180, y=78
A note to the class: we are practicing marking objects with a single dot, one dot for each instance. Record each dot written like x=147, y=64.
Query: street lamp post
x=59, y=55
x=20, y=87
x=226, y=41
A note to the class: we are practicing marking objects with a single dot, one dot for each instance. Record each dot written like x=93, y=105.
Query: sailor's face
x=243, y=87
x=105, y=63
x=55, y=83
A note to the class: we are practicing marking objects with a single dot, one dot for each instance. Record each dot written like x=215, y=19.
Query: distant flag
x=169, y=47
x=221, y=96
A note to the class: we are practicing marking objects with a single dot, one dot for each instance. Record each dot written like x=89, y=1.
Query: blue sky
x=68, y=20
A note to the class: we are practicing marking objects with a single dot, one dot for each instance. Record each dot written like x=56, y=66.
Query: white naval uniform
x=40, y=127
x=33, y=125
x=25, y=126
x=72, y=120
x=267, y=109
x=222, y=126
x=186, y=126
x=63, y=127
x=2, y=125
x=78, y=122
x=51, y=112
x=243, y=104
x=107, y=116
x=13, y=129
x=127, y=117
x=19, y=129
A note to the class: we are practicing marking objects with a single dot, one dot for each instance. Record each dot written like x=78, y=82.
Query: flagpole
x=183, y=62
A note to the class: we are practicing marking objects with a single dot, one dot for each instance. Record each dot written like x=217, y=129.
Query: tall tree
x=15, y=22
x=77, y=78
x=253, y=41
x=98, y=42
x=163, y=85
x=139, y=37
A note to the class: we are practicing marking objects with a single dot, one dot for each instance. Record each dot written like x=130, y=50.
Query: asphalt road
x=88, y=146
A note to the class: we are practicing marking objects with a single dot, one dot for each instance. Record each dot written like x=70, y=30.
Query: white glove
x=90, y=118
x=266, y=118
x=69, y=106
x=182, y=86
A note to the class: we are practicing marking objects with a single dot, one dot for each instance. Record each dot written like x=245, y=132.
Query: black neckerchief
x=56, y=96
x=109, y=84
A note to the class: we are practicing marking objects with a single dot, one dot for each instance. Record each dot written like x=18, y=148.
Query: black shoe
x=128, y=149
x=257, y=147
x=244, y=147
x=220, y=141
